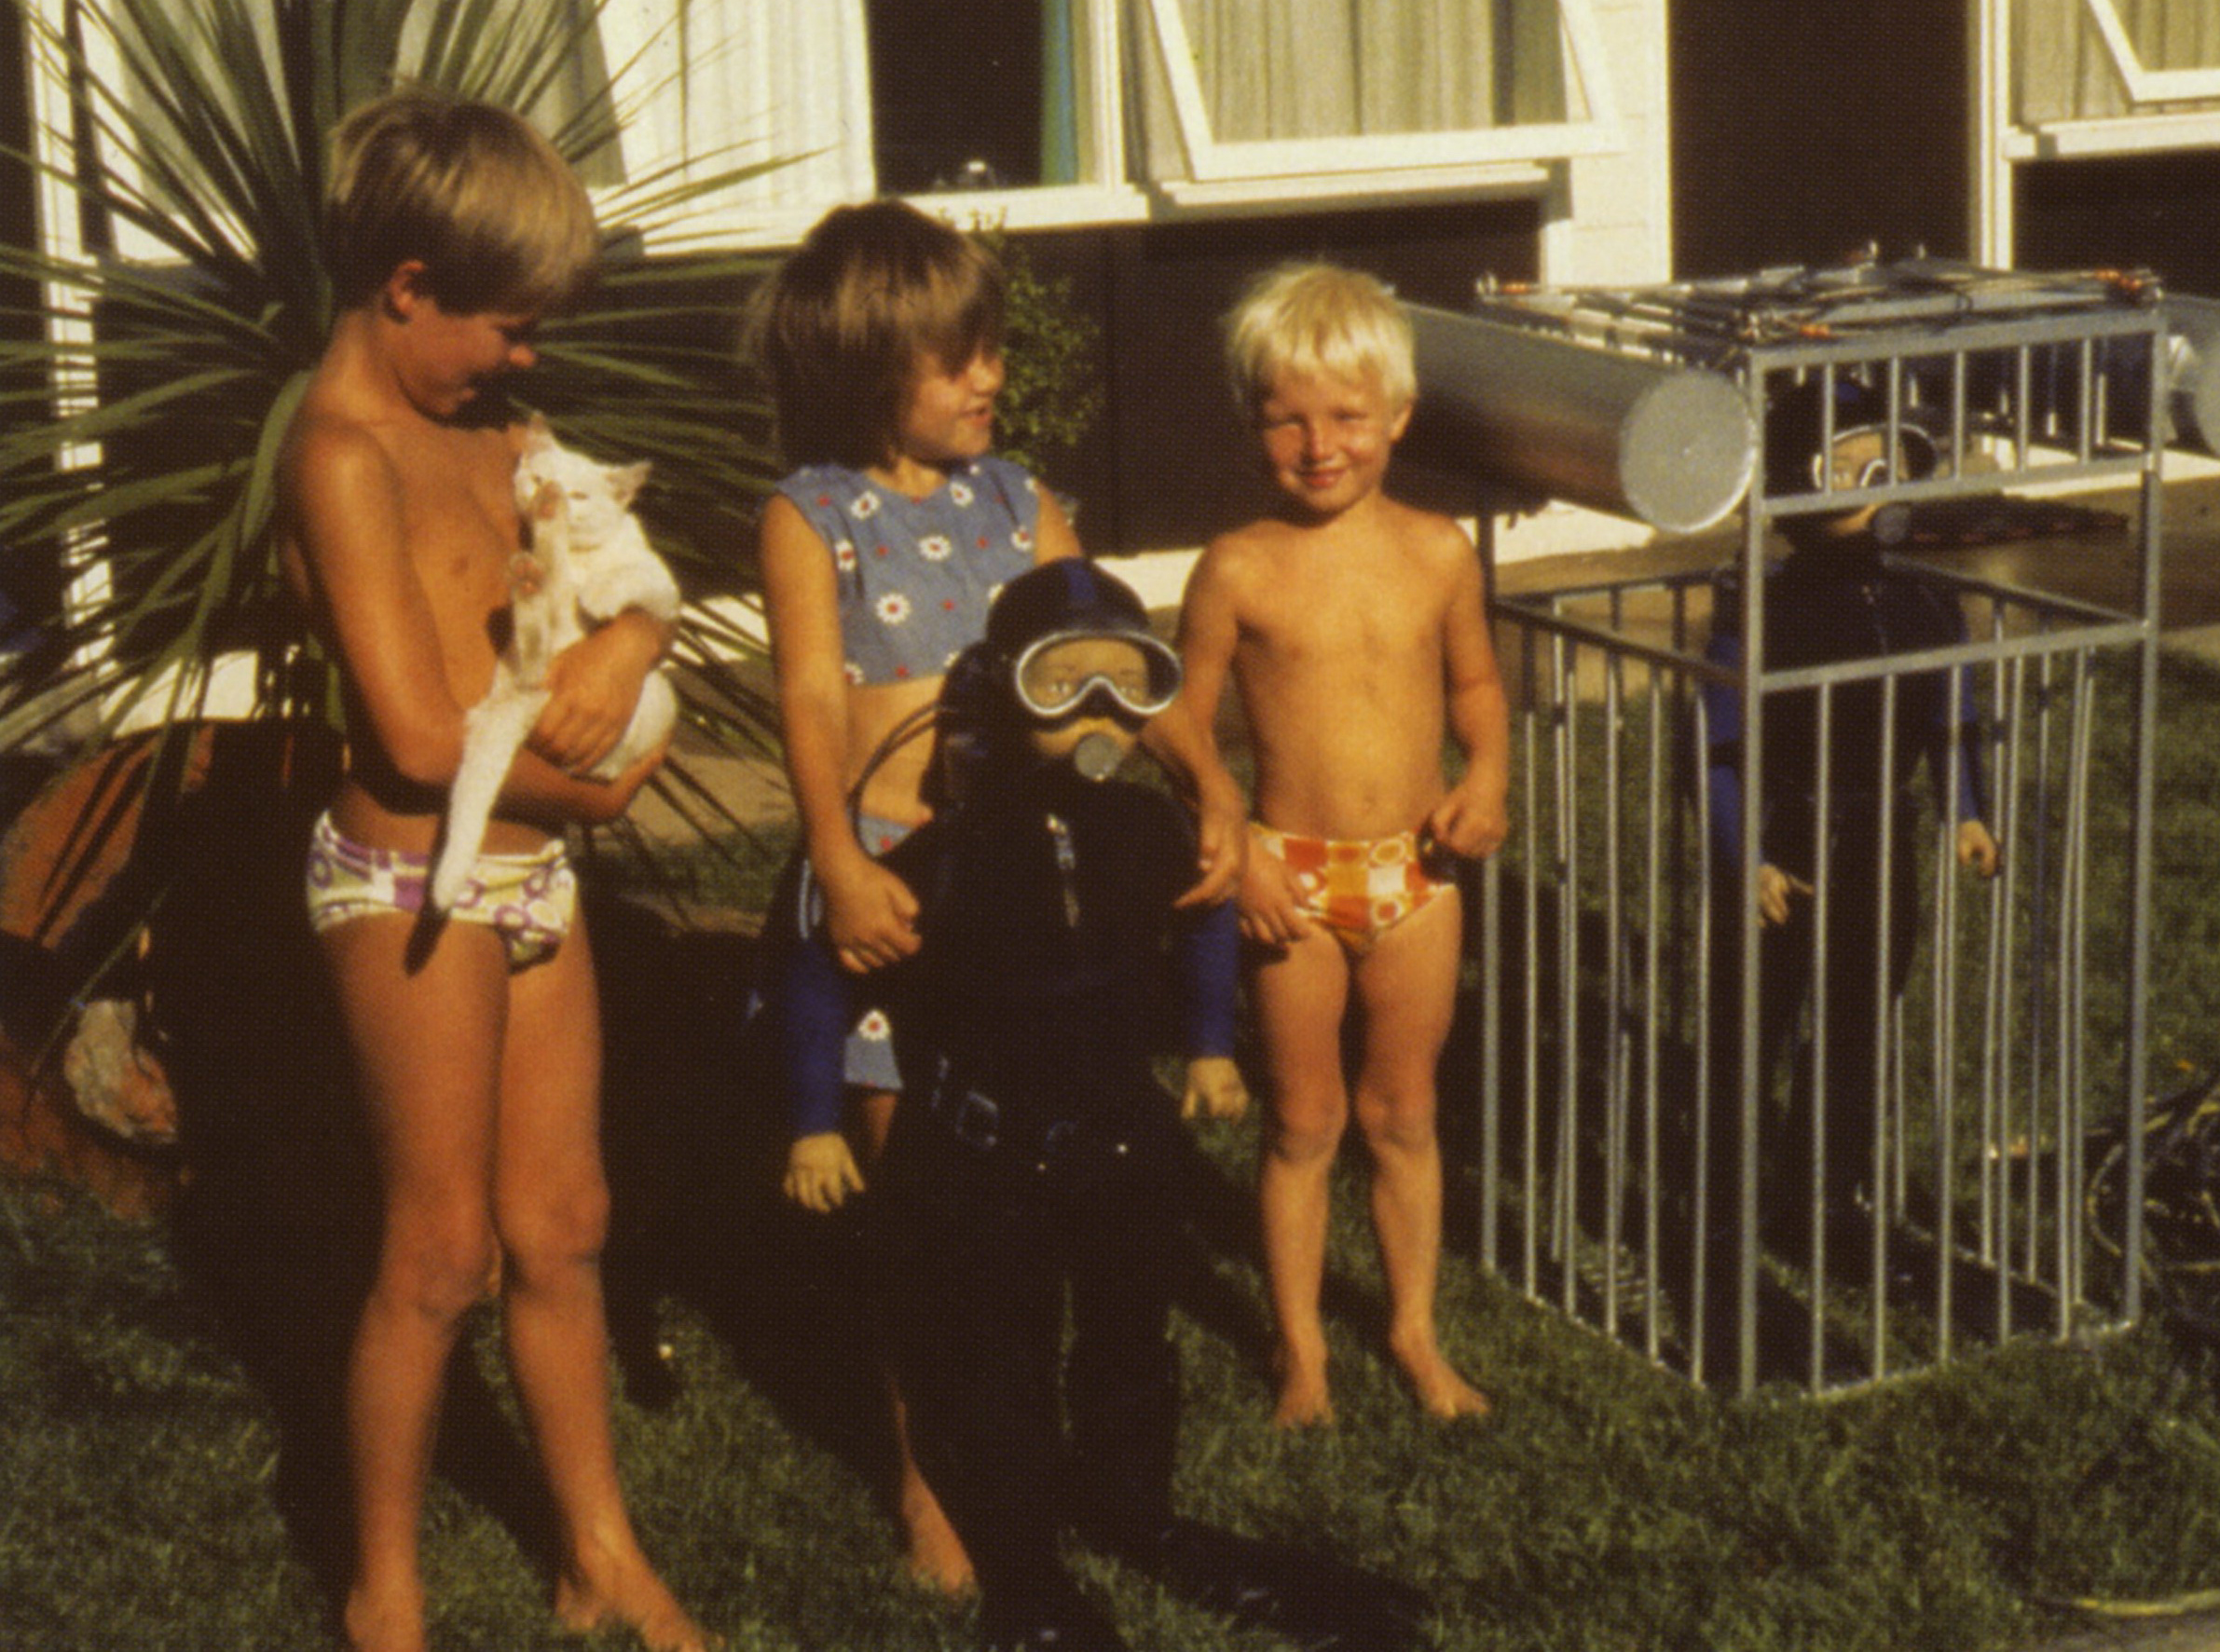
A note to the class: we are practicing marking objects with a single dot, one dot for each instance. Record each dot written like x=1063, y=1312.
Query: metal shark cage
x=1637, y=1164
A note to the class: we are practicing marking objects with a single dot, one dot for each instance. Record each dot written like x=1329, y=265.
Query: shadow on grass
x=697, y=1137
x=275, y=1223
x=275, y=1219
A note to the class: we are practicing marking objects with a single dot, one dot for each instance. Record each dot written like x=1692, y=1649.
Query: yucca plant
x=142, y=404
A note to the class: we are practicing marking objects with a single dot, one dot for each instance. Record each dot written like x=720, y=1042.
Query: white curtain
x=2067, y=72
x=2174, y=34
x=1281, y=69
x=736, y=82
x=1336, y=68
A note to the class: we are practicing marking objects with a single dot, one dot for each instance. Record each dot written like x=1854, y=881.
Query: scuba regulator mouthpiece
x=1097, y=756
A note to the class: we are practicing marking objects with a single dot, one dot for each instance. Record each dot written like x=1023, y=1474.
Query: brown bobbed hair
x=874, y=292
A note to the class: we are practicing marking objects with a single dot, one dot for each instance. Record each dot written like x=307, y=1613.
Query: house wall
x=1798, y=135
x=1612, y=221
x=2139, y=211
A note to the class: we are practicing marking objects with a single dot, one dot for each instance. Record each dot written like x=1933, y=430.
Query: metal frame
x=2021, y=381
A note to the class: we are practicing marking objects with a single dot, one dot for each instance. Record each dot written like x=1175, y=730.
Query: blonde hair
x=1318, y=319
x=844, y=325
x=471, y=190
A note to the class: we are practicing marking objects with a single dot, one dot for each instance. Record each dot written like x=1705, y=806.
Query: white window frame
x=1308, y=166
x=646, y=55
x=1510, y=160
x=2145, y=85
x=2144, y=131
x=640, y=46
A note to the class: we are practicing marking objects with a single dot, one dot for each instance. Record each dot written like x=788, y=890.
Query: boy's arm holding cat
x=345, y=505
x=594, y=684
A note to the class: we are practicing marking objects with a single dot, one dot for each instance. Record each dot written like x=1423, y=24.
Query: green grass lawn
x=166, y=1476
x=1604, y=1505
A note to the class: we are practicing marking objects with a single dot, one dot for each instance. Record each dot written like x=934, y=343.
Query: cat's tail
x=492, y=731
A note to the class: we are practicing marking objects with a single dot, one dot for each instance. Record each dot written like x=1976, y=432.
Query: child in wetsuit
x=1836, y=598
x=882, y=335
x=1353, y=628
x=1034, y=1159
x=1034, y=1147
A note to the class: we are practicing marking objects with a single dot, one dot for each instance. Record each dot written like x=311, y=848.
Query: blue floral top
x=916, y=575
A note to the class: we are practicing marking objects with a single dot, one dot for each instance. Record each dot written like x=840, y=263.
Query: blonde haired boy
x=1353, y=629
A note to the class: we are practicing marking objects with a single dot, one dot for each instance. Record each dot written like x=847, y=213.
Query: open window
x=2164, y=50
x=1013, y=105
x=2097, y=76
x=1295, y=92
x=1033, y=113
x=1046, y=111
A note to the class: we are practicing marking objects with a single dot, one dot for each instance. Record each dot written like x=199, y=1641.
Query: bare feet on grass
x=391, y=1622
x=625, y=1592
x=1304, y=1401
x=935, y=1556
x=1442, y=1390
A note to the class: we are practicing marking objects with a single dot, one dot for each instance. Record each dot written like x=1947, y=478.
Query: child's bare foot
x=1440, y=1387
x=1304, y=1401
x=935, y=1555
x=626, y=1593
x=377, y=1623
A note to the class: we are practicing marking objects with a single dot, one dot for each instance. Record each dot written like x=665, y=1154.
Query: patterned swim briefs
x=1358, y=888
x=528, y=900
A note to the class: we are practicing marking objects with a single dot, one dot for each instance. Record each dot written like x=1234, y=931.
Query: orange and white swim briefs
x=1358, y=888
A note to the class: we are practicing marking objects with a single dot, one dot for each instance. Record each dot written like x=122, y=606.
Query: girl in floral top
x=883, y=338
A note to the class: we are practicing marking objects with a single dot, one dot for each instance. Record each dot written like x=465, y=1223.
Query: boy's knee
x=1304, y=1140
x=558, y=1228
x=1401, y=1126
x=442, y=1269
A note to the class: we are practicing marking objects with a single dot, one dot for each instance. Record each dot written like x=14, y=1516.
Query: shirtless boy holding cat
x=1353, y=629
x=476, y=1041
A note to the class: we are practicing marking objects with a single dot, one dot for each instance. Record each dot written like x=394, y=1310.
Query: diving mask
x=1070, y=674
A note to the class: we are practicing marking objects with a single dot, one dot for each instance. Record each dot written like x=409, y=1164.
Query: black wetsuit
x=1035, y=1149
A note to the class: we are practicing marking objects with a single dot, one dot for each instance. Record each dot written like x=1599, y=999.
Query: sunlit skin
x=458, y=353
x=1352, y=628
x=948, y=420
x=481, y=1087
x=1327, y=440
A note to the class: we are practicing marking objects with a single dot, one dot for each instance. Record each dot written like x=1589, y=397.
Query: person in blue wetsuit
x=1837, y=597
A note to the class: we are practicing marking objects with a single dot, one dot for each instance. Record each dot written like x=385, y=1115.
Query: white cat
x=589, y=561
